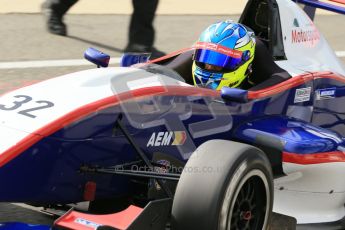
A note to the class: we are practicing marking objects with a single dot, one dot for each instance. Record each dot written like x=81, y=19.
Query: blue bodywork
x=305, y=119
x=323, y=5
x=22, y=226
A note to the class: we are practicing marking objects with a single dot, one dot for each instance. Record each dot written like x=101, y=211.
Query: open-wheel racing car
x=149, y=150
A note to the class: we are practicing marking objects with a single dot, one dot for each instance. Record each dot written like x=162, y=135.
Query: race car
x=149, y=150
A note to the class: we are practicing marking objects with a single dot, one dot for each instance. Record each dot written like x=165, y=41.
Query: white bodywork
x=59, y=90
x=79, y=89
x=305, y=47
x=70, y=94
x=310, y=193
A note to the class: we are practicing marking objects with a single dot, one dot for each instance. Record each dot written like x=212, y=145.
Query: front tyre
x=225, y=185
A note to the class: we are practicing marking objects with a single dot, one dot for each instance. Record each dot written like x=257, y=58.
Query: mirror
x=234, y=94
x=97, y=57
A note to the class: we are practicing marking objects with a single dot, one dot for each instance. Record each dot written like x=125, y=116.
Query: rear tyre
x=225, y=185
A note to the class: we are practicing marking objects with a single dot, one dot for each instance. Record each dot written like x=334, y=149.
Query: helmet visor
x=217, y=55
x=217, y=59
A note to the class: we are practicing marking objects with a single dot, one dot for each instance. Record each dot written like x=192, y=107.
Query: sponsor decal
x=232, y=84
x=302, y=95
x=305, y=36
x=327, y=93
x=87, y=223
x=218, y=48
x=167, y=138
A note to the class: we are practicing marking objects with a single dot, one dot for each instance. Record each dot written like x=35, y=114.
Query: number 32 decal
x=23, y=99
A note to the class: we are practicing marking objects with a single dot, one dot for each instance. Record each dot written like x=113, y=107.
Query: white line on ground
x=72, y=62
x=340, y=53
x=50, y=63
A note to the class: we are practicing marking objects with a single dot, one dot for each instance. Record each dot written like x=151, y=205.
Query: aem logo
x=167, y=138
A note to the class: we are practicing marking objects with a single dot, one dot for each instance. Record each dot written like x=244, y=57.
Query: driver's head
x=223, y=55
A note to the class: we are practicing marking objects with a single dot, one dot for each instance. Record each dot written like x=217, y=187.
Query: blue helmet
x=223, y=55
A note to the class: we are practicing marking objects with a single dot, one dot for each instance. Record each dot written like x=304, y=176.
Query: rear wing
x=329, y=5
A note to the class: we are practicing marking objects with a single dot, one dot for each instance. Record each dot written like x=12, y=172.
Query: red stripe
x=314, y=158
x=292, y=82
x=85, y=110
x=338, y=1
x=67, y=119
x=48, y=129
x=281, y=87
x=329, y=75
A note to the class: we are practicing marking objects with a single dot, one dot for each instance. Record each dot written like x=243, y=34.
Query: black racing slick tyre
x=225, y=185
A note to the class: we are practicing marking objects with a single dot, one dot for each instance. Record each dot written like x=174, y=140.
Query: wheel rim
x=250, y=206
x=249, y=210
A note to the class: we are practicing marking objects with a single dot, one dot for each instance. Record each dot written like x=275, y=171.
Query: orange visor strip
x=218, y=48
